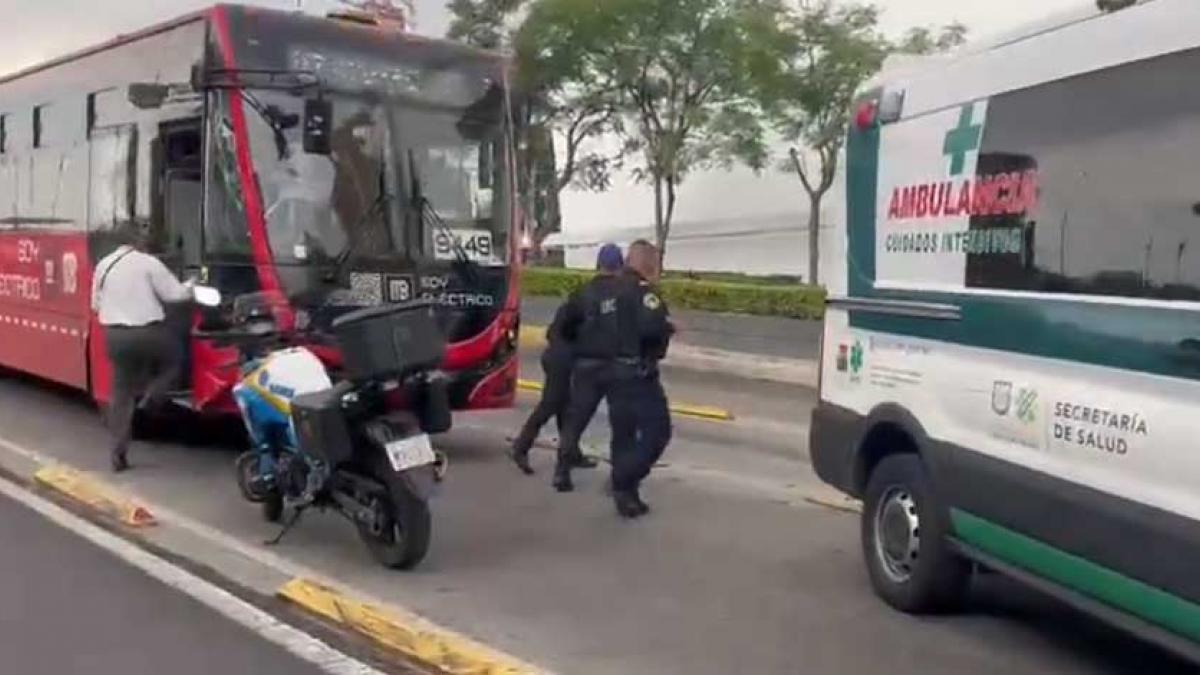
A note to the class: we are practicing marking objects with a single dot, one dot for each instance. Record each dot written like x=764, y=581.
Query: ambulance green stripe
x=1147, y=602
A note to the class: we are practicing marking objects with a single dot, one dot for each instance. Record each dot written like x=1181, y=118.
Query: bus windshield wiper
x=339, y=264
x=276, y=119
x=428, y=214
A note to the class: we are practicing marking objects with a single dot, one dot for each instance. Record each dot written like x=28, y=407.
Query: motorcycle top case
x=320, y=424
x=390, y=341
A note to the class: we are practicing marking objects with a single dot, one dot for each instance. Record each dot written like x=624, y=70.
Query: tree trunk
x=664, y=232
x=814, y=238
x=659, y=216
x=551, y=218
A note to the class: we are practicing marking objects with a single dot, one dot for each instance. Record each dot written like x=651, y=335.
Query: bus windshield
x=368, y=197
x=404, y=183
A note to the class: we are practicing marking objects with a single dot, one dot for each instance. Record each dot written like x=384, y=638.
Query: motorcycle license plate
x=410, y=452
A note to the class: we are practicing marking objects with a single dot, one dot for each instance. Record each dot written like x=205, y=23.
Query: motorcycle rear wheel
x=403, y=540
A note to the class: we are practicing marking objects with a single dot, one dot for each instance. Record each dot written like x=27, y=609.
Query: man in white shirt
x=129, y=289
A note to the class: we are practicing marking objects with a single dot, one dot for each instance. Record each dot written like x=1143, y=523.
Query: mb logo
x=399, y=289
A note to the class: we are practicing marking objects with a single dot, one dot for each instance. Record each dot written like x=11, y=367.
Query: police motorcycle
x=357, y=443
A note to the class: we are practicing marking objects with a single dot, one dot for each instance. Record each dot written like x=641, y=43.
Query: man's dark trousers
x=641, y=427
x=556, y=396
x=145, y=364
x=589, y=386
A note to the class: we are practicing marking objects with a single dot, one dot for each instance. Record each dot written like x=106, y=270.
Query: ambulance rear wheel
x=905, y=530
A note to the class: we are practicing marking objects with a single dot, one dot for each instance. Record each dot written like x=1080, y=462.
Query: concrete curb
x=403, y=632
x=95, y=494
x=802, y=372
x=703, y=412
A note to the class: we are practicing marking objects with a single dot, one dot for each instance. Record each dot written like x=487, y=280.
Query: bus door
x=178, y=174
x=180, y=196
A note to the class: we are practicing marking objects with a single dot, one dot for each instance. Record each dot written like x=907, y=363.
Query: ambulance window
x=1117, y=162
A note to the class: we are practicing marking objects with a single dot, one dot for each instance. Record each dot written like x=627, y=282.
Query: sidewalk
x=754, y=347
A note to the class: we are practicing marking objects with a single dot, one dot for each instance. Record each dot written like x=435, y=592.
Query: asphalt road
x=734, y=572
x=67, y=606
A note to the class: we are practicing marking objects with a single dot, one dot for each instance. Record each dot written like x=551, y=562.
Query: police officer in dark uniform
x=637, y=404
x=623, y=331
x=557, y=364
x=590, y=316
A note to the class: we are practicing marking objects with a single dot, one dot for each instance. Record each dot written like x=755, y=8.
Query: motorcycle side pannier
x=389, y=341
x=320, y=423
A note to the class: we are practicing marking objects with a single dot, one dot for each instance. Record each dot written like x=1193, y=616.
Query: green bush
x=764, y=299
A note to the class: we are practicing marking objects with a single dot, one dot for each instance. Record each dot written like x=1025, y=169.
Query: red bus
x=330, y=160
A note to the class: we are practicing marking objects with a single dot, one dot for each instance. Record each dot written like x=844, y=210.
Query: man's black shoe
x=119, y=462
x=582, y=461
x=642, y=506
x=521, y=459
x=562, y=481
x=627, y=505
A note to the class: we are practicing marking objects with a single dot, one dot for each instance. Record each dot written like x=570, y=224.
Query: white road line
x=261, y=623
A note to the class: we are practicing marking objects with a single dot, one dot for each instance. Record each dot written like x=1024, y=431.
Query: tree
x=676, y=76
x=837, y=47
x=482, y=23
x=924, y=40
x=553, y=107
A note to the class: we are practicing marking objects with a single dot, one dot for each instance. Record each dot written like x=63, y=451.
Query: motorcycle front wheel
x=402, y=538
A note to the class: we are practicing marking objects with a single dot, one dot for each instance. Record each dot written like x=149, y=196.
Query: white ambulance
x=1010, y=372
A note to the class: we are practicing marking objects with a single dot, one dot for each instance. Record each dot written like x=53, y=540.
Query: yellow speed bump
x=416, y=638
x=92, y=492
x=699, y=411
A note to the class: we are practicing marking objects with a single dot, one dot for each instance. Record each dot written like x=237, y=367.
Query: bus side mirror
x=318, y=126
x=148, y=95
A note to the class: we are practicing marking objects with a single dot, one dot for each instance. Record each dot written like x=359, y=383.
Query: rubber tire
x=939, y=579
x=413, y=515
x=240, y=470
x=272, y=507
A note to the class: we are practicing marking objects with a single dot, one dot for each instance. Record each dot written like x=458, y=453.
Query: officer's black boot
x=562, y=478
x=521, y=459
x=627, y=504
x=643, y=507
x=582, y=461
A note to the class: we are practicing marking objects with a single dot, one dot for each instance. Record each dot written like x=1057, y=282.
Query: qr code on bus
x=366, y=288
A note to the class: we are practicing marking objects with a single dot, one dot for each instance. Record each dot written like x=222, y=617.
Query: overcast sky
x=52, y=27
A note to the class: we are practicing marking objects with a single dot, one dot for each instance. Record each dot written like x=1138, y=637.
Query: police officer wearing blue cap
x=623, y=330
x=557, y=364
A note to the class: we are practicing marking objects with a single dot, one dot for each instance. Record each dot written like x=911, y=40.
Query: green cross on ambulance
x=1010, y=370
